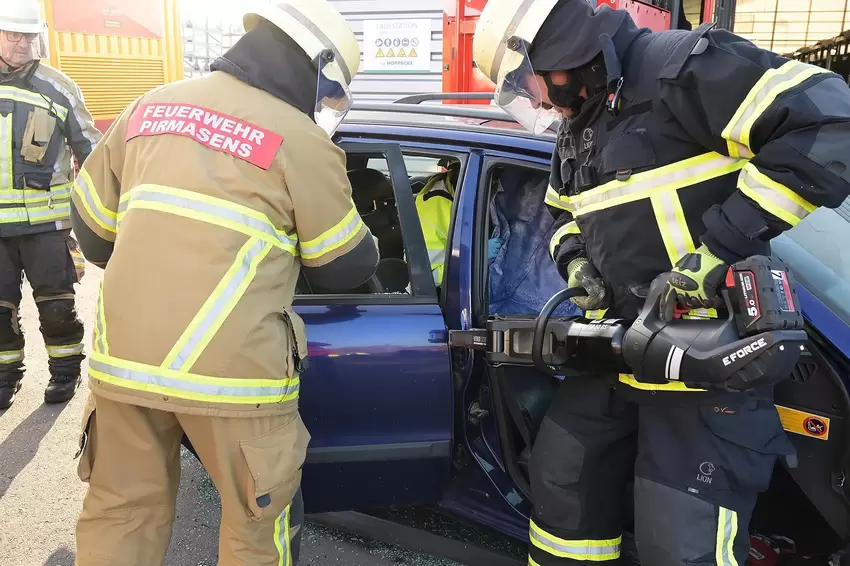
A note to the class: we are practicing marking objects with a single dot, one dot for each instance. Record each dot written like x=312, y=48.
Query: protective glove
x=493, y=247
x=693, y=283
x=583, y=274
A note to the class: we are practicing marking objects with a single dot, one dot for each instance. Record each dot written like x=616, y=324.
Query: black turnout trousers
x=698, y=468
x=49, y=266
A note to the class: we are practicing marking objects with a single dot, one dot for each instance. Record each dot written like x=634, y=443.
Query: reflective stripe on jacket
x=43, y=124
x=434, y=206
x=194, y=313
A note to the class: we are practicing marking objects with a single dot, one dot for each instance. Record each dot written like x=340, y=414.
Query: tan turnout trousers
x=130, y=456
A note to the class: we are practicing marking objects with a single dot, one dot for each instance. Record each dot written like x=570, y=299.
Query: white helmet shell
x=499, y=22
x=505, y=30
x=23, y=16
x=315, y=26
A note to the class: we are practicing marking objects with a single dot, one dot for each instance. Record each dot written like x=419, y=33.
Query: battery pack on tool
x=763, y=296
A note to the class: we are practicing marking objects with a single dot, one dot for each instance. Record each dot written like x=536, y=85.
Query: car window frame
x=480, y=269
x=423, y=290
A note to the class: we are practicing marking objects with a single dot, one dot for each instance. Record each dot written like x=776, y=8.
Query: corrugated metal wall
x=377, y=87
x=784, y=26
x=112, y=70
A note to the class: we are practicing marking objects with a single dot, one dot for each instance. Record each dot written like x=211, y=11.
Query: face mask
x=592, y=76
x=568, y=95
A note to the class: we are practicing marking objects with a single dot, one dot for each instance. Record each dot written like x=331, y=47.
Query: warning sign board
x=397, y=46
x=806, y=424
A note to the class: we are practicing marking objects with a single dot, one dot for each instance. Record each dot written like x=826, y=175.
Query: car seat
x=373, y=196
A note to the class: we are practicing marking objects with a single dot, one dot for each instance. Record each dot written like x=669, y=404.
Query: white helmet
x=503, y=35
x=23, y=17
x=328, y=41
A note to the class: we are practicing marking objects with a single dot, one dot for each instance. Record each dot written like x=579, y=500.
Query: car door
x=501, y=406
x=377, y=394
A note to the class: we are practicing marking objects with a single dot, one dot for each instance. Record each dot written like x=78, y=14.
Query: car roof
x=444, y=120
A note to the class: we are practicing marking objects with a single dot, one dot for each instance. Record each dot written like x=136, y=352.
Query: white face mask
x=333, y=97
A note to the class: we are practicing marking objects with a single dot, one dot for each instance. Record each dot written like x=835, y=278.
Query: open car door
x=377, y=394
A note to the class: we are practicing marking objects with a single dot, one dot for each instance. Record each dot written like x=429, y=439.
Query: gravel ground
x=40, y=494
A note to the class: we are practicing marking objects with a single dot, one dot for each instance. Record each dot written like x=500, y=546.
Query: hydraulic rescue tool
x=756, y=339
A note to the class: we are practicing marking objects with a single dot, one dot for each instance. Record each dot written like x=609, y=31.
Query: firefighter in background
x=680, y=153
x=204, y=201
x=43, y=125
x=434, y=206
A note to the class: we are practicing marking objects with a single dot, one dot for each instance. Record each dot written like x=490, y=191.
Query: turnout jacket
x=434, y=206
x=204, y=200
x=44, y=123
x=716, y=142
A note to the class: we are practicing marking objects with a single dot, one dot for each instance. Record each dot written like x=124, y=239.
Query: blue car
x=401, y=416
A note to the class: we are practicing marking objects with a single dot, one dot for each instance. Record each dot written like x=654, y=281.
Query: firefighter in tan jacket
x=203, y=202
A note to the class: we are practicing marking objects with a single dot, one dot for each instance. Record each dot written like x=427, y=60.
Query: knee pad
x=10, y=325
x=59, y=318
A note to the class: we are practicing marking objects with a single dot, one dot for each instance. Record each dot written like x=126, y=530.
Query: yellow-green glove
x=583, y=274
x=693, y=283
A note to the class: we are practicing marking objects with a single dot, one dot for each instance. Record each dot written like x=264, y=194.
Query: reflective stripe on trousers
x=64, y=351
x=660, y=186
x=11, y=357
x=727, y=530
x=771, y=84
x=282, y=537
x=587, y=550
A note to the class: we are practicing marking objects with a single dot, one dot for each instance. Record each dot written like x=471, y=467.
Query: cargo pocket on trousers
x=747, y=441
x=77, y=258
x=86, y=446
x=274, y=461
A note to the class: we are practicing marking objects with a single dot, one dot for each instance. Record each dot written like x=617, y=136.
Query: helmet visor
x=19, y=48
x=518, y=91
x=333, y=96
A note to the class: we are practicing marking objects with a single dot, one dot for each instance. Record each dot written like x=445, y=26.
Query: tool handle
x=543, y=320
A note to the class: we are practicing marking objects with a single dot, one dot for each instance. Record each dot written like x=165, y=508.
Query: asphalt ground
x=41, y=495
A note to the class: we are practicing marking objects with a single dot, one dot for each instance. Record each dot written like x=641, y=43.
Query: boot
x=8, y=389
x=61, y=388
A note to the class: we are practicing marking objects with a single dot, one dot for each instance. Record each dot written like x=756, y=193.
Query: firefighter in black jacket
x=681, y=152
x=43, y=123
